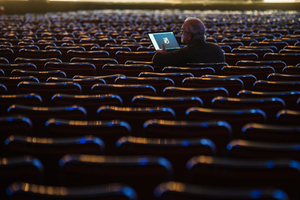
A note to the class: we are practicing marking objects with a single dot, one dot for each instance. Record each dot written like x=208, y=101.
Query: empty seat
x=24, y=99
x=283, y=77
x=177, y=77
x=36, y=53
x=11, y=83
x=87, y=54
x=47, y=90
x=109, y=79
x=50, y=150
x=177, y=151
x=108, y=130
x=8, y=68
x=291, y=70
x=233, y=58
x=21, y=168
x=180, y=190
x=90, y=102
x=288, y=58
x=219, y=132
x=142, y=173
x=196, y=71
x=39, y=115
x=123, y=56
x=42, y=76
x=260, y=72
x=248, y=79
x=206, y=94
x=38, y=62
x=97, y=62
x=178, y=104
x=135, y=116
x=240, y=173
x=126, y=92
x=107, y=191
x=159, y=83
x=278, y=65
x=271, y=106
x=126, y=69
x=271, y=132
x=288, y=117
x=232, y=85
x=276, y=86
x=237, y=118
x=72, y=69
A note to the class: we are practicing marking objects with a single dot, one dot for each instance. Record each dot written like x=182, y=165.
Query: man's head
x=192, y=29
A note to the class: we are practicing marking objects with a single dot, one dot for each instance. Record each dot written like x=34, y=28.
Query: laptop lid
x=166, y=38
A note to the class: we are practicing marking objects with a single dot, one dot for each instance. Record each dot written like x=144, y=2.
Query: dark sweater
x=198, y=51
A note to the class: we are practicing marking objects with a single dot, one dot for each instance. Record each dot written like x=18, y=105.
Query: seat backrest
x=126, y=92
x=177, y=151
x=205, y=94
x=271, y=132
x=135, y=116
x=237, y=118
x=126, y=69
x=288, y=117
x=260, y=72
x=178, y=104
x=276, y=86
x=39, y=115
x=232, y=85
x=159, y=83
x=142, y=173
x=41, y=75
x=278, y=65
x=177, y=77
x=23, y=190
x=271, y=106
x=123, y=56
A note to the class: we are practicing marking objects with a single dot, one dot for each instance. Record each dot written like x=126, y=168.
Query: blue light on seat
x=256, y=194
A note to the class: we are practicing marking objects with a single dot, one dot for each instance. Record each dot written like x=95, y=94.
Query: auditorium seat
x=11, y=83
x=232, y=85
x=276, y=64
x=219, y=132
x=50, y=150
x=97, y=62
x=205, y=94
x=283, y=133
x=177, y=77
x=21, y=168
x=142, y=173
x=271, y=106
x=109, y=79
x=35, y=53
x=87, y=54
x=64, y=50
x=112, y=50
x=237, y=118
x=283, y=77
x=262, y=150
x=38, y=62
x=123, y=56
x=8, y=54
x=47, y=90
x=126, y=69
x=276, y=86
x=8, y=68
x=178, y=104
x=241, y=172
x=42, y=76
x=288, y=58
x=159, y=83
x=39, y=115
x=72, y=69
x=135, y=116
x=233, y=58
x=291, y=69
x=195, y=71
x=288, y=117
x=180, y=190
x=175, y=150
x=289, y=97
x=247, y=78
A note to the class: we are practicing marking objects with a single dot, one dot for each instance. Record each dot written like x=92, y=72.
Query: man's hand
x=163, y=49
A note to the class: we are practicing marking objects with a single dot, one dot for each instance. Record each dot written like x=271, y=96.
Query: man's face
x=185, y=34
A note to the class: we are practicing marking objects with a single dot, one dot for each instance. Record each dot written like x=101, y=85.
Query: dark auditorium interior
x=86, y=115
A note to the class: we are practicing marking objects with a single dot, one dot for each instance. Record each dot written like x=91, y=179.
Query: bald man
x=197, y=50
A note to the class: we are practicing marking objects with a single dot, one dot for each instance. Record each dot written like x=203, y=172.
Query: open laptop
x=166, y=38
